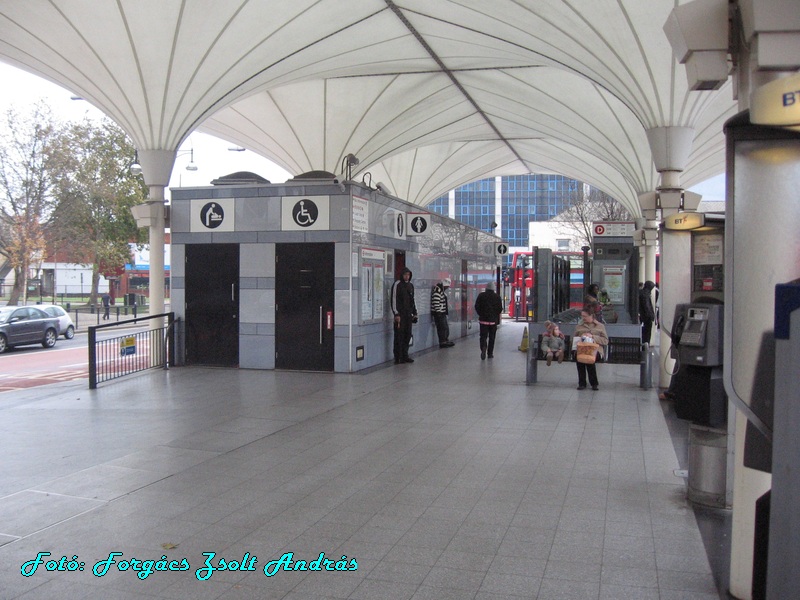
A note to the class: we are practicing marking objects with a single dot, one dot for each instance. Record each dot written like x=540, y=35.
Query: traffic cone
x=523, y=347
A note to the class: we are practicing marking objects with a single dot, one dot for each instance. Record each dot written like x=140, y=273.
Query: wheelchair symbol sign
x=305, y=213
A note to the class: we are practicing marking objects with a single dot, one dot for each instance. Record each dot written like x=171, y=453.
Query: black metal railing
x=131, y=351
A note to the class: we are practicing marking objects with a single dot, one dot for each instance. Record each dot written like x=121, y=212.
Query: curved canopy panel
x=380, y=117
x=508, y=86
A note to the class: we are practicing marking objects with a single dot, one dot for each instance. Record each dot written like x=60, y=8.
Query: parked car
x=65, y=325
x=22, y=325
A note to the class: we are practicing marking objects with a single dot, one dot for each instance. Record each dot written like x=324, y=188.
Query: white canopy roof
x=428, y=94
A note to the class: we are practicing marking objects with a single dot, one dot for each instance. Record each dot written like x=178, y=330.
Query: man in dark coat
x=404, y=310
x=647, y=313
x=489, y=307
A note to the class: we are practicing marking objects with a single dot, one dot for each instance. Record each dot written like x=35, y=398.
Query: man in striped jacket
x=439, y=312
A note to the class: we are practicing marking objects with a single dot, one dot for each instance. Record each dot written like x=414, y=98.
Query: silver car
x=22, y=325
x=65, y=325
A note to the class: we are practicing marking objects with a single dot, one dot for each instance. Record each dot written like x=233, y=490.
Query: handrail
x=116, y=357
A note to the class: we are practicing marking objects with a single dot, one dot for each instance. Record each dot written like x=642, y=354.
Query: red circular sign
x=599, y=229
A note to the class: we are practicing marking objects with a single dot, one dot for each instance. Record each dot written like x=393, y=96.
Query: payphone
x=698, y=387
x=698, y=334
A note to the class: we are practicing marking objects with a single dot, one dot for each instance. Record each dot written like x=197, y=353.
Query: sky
x=211, y=155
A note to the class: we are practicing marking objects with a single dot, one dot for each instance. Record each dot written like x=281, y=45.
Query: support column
x=156, y=169
x=670, y=147
x=676, y=277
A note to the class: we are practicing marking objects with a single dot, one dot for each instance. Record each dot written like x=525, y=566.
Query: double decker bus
x=520, y=278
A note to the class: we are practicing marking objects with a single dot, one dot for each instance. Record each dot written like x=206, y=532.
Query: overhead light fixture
x=236, y=149
x=191, y=166
x=348, y=162
x=135, y=168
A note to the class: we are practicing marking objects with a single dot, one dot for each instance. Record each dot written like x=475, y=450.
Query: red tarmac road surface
x=33, y=366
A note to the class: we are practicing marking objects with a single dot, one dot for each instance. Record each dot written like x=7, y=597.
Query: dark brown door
x=212, y=304
x=304, y=297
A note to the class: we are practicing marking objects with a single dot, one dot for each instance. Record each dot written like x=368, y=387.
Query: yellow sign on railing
x=127, y=346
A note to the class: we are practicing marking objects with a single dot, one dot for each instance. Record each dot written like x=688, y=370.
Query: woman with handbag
x=593, y=338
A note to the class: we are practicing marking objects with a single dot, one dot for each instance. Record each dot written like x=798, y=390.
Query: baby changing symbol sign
x=218, y=214
x=305, y=213
x=212, y=215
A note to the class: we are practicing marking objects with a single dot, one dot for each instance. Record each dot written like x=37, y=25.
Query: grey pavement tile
x=573, y=571
x=576, y=553
x=458, y=579
x=26, y=512
x=692, y=563
x=439, y=492
x=400, y=572
x=638, y=544
x=621, y=592
x=426, y=592
x=686, y=581
x=630, y=576
x=370, y=589
x=629, y=557
x=562, y=589
x=414, y=555
x=503, y=583
x=475, y=561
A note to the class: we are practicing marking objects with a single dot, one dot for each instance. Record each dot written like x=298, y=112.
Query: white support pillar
x=156, y=169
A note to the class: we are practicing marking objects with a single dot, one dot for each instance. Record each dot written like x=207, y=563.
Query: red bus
x=521, y=267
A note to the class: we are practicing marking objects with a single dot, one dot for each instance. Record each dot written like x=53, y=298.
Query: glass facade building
x=516, y=200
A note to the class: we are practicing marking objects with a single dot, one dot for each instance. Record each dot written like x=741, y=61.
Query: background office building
x=511, y=202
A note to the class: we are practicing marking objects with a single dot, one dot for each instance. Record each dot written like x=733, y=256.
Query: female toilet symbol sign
x=304, y=213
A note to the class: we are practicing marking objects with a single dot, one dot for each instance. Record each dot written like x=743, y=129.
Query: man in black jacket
x=489, y=307
x=404, y=310
x=647, y=313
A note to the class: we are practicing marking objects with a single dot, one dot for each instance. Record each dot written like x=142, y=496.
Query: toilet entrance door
x=212, y=304
x=304, y=297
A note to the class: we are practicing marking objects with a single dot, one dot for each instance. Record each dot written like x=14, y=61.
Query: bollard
x=646, y=368
x=531, y=371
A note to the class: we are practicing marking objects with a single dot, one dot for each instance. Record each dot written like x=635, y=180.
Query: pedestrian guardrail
x=131, y=351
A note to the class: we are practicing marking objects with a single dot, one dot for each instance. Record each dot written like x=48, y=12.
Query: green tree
x=95, y=191
x=27, y=158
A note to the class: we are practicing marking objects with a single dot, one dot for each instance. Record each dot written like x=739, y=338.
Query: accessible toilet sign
x=309, y=213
